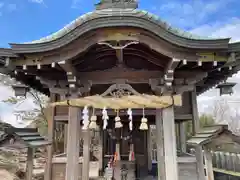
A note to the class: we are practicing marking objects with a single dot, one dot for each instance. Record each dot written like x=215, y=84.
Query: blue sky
x=26, y=20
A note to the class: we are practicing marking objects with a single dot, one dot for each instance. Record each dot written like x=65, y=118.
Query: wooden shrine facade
x=127, y=49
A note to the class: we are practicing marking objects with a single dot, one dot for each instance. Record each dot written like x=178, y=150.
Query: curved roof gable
x=119, y=12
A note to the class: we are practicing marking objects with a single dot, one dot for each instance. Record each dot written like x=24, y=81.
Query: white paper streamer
x=129, y=112
x=85, y=118
x=105, y=118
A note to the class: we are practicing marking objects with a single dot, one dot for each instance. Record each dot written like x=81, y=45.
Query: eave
x=7, y=52
x=234, y=47
x=129, y=18
x=213, y=136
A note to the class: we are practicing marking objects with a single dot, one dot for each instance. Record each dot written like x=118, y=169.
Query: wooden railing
x=226, y=161
x=223, y=162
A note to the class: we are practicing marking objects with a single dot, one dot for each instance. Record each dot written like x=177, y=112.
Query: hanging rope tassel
x=129, y=112
x=93, y=123
x=118, y=123
x=105, y=118
x=85, y=118
x=144, y=125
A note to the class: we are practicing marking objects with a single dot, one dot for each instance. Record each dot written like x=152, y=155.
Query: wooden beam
x=195, y=113
x=29, y=169
x=51, y=127
x=198, y=149
x=119, y=74
x=86, y=87
x=73, y=144
x=126, y=73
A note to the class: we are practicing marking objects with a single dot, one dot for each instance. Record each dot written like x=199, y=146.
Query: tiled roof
x=207, y=134
x=118, y=12
x=28, y=136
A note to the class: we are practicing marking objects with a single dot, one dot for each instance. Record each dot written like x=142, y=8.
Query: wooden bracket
x=169, y=72
x=71, y=73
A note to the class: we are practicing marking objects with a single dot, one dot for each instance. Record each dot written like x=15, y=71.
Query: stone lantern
x=20, y=90
x=226, y=88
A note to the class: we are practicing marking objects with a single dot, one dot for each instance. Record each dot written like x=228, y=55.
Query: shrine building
x=116, y=73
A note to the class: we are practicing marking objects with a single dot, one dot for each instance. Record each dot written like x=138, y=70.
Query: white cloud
x=76, y=4
x=7, y=8
x=11, y=7
x=37, y=1
x=1, y=4
x=1, y=7
x=220, y=29
x=190, y=14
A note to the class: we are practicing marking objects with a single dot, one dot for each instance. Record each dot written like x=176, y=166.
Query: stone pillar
x=73, y=144
x=198, y=149
x=182, y=137
x=150, y=148
x=29, y=173
x=170, y=150
x=86, y=154
x=160, y=146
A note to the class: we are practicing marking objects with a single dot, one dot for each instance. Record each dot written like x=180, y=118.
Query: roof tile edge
x=128, y=12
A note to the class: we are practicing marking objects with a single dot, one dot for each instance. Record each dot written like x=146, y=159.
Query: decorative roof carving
x=119, y=90
x=122, y=4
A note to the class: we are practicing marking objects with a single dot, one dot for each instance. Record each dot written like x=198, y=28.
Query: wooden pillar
x=208, y=164
x=150, y=148
x=29, y=169
x=65, y=137
x=100, y=161
x=170, y=150
x=182, y=137
x=73, y=144
x=118, y=151
x=160, y=145
x=178, y=141
x=198, y=149
x=51, y=127
x=195, y=120
x=86, y=154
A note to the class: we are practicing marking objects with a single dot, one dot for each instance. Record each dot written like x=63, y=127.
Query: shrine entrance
x=130, y=147
x=122, y=115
